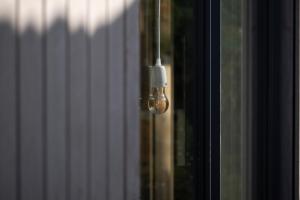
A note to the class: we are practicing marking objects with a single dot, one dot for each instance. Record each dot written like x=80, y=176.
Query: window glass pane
x=231, y=100
x=167, y=139
x=166, y=142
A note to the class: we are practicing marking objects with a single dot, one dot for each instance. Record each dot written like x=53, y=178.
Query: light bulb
x=158, y=102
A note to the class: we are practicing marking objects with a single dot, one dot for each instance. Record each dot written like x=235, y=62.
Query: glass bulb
x=158, y=102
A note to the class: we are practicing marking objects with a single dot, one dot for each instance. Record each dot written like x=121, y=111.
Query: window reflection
x=156, y=130
x=231, y=100
x=166, y=139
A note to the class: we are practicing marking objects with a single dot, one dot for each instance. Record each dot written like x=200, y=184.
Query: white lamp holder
x=158, y=75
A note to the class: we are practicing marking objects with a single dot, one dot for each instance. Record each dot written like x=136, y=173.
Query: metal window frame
x=206, y=100
x=271, y=90
x=271, y=80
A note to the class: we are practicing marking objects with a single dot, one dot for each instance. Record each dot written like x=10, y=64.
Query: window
x=229, y=133
x=232, y=135
x=167, y=139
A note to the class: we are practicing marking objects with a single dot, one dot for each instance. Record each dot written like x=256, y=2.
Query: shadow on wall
x=69, y=125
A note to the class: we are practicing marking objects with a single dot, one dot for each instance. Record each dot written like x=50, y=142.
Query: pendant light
x=158, y=102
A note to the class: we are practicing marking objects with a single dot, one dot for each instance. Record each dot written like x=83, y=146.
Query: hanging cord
x=158, y=76
x=158, y=59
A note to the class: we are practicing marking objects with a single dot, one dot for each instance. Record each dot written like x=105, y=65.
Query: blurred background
x=69, y=106
x=167, y=140
x=74, y=84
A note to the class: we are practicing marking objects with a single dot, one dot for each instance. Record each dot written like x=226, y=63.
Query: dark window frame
x=271, y=95
x=206, y=100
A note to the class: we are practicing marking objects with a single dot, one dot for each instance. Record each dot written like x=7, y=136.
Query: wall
x=69, y=87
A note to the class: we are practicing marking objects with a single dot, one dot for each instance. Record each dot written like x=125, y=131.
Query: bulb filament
x=158, y=102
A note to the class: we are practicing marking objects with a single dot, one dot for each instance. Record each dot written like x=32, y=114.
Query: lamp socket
x=158, y=76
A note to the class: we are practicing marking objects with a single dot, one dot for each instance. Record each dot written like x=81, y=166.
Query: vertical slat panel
x=116, y=99
x=98, y=57
x=31, y=97
x=7, y=101
x=132, y=100
x=56, y=93
x=78, y=99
